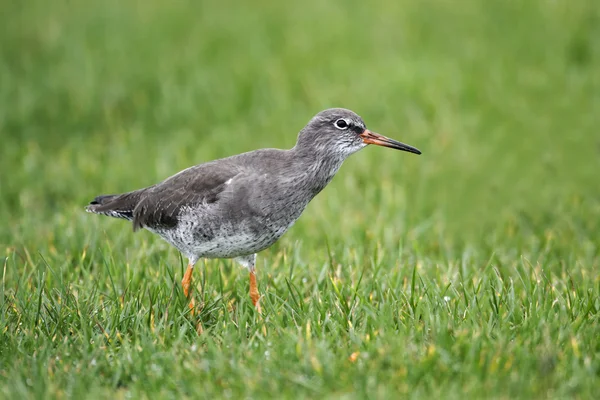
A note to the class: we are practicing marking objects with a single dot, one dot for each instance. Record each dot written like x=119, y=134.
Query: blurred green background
x=502, y=97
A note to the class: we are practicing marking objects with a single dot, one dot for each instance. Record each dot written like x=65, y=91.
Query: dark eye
x=341, y=124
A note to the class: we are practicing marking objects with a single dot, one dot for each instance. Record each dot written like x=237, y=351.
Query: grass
x=470, y=271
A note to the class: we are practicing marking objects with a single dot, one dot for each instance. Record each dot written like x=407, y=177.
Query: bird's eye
x=341, y=124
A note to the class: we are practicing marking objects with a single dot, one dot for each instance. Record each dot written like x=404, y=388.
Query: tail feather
x=115, y=205
x=103, y=199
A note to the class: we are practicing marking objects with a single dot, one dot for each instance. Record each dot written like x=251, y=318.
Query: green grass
x=470, y=271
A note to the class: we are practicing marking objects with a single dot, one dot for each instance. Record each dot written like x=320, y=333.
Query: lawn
x=471, y=271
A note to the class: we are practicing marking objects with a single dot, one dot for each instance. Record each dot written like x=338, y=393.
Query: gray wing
x=162, y=204
x=235, y=185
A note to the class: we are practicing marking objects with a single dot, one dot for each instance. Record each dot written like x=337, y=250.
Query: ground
x=469, y=271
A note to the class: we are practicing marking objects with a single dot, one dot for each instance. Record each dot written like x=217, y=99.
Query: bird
x=235, y=207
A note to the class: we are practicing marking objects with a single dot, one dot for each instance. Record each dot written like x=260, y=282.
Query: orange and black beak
x=369, y=137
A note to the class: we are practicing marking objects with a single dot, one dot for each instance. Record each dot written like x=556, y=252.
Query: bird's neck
x=315, y=168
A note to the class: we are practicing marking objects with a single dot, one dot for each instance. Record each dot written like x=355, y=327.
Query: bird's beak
x=369, y=137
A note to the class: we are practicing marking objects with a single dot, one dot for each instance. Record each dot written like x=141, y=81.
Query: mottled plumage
x=240, y=205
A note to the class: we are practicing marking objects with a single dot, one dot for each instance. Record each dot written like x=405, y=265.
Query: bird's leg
x=186, y=282
x=249, y=262
x=254, y=294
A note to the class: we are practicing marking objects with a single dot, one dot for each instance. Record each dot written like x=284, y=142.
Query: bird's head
x=342, y=132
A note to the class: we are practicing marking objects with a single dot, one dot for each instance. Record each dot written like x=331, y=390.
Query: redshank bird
x=237, y=206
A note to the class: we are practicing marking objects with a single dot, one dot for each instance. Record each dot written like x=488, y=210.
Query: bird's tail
x=115, y=205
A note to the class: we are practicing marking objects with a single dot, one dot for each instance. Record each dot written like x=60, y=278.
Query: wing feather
x=162, y=204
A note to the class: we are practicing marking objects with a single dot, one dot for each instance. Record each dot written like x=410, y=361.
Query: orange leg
x=254, y=295
x=186, y=282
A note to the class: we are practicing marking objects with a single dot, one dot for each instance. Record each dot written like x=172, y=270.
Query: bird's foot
x=199, y=328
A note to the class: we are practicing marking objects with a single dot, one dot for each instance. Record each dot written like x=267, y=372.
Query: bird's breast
x=224, y=239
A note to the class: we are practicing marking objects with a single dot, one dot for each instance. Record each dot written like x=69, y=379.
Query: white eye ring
x=342, y=124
